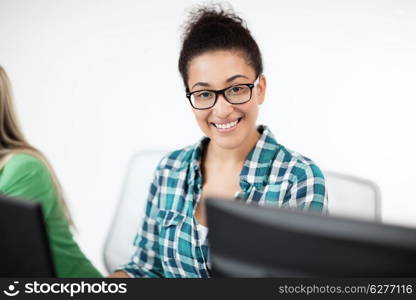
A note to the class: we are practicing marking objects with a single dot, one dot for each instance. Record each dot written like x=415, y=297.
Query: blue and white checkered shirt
x=169, y=243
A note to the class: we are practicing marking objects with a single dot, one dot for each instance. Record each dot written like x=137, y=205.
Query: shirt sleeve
x=308, y=191
x=146, y=261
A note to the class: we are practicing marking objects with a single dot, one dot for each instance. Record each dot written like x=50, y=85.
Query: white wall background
x=95, y=81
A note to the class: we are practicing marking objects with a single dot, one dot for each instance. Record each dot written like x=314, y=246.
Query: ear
x=261, y=89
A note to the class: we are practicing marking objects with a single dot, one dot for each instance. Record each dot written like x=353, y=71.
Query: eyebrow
x=227, y=81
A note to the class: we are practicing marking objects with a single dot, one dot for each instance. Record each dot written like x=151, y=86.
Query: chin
x=227, y=142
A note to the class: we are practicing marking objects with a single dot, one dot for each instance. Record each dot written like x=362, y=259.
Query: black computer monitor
x=24, y=247
x=248, y=240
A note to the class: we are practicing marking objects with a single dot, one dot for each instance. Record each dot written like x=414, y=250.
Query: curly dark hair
x=214, y=27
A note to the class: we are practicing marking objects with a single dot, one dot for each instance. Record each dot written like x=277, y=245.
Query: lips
x=226, y=124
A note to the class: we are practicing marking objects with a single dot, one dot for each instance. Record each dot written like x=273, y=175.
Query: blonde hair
x=12, y=140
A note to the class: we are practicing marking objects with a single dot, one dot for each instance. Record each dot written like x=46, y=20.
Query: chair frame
x=374, y=186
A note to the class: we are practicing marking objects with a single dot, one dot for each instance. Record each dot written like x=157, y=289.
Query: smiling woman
x=222, y=71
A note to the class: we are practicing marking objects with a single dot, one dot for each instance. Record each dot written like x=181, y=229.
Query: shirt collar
x=257, y=166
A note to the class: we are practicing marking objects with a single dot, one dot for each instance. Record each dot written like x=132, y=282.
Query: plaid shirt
x=169, y=243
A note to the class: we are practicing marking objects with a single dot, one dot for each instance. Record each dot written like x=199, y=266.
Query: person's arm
x=119, y=274
x=146, y=261
x=308, y=192
x=26, y=177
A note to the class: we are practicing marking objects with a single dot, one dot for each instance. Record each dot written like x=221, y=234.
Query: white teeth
x=228, y=125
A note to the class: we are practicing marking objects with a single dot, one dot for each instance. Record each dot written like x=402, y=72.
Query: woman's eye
x=203, y=95
x=235, y=90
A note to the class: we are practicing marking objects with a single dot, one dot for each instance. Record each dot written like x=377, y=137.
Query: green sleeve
x=26, y=177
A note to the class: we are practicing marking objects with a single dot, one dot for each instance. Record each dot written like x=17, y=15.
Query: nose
x=222, y=108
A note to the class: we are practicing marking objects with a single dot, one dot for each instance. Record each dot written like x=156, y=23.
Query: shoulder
x=26, y=174
x=24, y=164
x=178, y=159
x=286, y=163
x=27, y=177
x=299, y=166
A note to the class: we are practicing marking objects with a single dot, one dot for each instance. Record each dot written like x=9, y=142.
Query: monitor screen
x=24, y=247
x=248, y=240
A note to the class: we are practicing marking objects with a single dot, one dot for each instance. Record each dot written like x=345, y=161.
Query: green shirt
x=26, y=177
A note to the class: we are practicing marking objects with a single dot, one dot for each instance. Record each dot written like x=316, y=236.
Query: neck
x=236, y=156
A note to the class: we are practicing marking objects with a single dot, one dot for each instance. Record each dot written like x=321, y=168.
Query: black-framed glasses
x=235, y=94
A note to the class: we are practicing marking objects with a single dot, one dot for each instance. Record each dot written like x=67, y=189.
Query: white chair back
x=118, y=247
x=353, y=197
